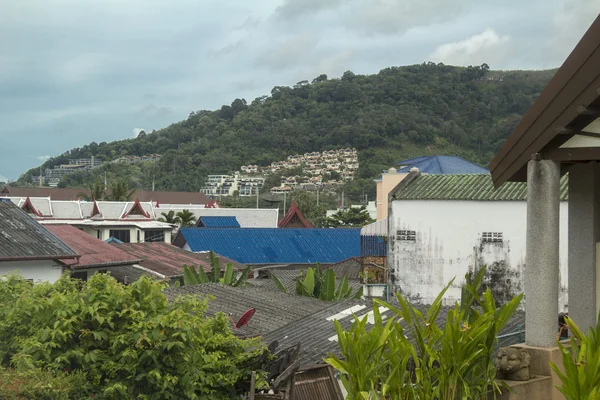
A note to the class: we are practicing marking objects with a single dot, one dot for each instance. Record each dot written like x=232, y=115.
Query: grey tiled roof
x=22, y=237
x=288, y=278
x=274, y=309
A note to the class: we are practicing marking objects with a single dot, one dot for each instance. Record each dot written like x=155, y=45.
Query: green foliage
x=581, y=362
x=186, y=218
x=119, y=191
x=170, y=218
x=279, y=284
x=320, y=284
x=353, y=217
x=95, y=191
x=128, y=341
x=191, y=276
x=449, y=361
x=401, y=112
x=42, y=384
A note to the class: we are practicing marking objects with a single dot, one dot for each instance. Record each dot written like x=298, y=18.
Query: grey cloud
x=292, y=9
x=152, y=111
x=290, y=52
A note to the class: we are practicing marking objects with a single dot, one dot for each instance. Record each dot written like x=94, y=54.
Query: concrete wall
x=389, y=180
x=37, y=270
x=449, y=244
x=105, y=233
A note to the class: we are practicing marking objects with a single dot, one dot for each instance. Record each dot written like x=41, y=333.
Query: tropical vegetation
x=413, y=356
x=191, y=276
x=352, y=217
x=183, y=218
x=320, y=284
x=398, y=113
x=580, y=379
x=128, y=342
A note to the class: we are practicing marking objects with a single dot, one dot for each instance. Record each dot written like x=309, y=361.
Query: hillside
x=398, y=113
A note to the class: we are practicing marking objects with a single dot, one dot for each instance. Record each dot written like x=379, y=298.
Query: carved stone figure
x=513, y=364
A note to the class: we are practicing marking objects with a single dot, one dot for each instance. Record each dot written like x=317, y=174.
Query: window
x=491, y=237
x=121, y=234
x=154, y=236
x=406, y=236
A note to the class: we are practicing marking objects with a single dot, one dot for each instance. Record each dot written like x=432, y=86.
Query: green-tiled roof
x=476, y=187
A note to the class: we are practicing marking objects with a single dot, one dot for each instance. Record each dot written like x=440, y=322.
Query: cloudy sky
x=73, y=71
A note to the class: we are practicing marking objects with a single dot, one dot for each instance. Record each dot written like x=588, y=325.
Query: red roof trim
x=95, y=210
x=29, y=208
x=212, y=204
x=137, y=208
x=293, y=211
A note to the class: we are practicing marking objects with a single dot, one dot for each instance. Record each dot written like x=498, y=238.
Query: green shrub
x=581, y=377
x=41, y=385
x=453, y=361
x=128, y=341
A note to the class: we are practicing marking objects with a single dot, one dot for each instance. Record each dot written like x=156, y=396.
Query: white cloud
x=136, y=131
x=486, y=47
x=43, y=158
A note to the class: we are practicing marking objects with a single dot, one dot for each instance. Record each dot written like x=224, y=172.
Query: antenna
x=244, y=319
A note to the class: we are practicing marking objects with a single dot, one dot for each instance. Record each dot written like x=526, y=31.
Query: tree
x=129, y=341
x=95, y=192
x=186, y=218
x=170, y=218
x=119, y=191
x=353, y=217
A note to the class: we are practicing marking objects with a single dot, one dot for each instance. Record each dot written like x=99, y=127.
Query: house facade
x=444, y=226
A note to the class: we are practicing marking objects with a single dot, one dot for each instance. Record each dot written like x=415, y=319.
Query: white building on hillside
x=443, y=226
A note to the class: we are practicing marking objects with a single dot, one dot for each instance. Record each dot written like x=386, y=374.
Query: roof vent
x=414, y=169
x=392, y=170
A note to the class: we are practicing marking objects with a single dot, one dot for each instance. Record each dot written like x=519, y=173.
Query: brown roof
x=568, y=104
x=72, y=194
x=168, y=260
x=94, y=252
x=294, y=219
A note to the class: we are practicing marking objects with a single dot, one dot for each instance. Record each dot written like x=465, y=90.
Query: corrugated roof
x=275, y=246
x=274, y=309
x=168, y=260
x=441, y=165
x=218, y=222
x=21, y=237
x=94, y=252
x=316, y=382
x=477, y=187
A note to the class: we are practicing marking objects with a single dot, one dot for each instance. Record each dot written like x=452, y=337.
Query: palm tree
x=119, y=191
x=186, y=218
x=170, y=218
x=96, y=192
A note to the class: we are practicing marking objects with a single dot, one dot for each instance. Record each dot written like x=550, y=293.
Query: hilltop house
x=443, y=226
x=426, y=165
x=29, y=249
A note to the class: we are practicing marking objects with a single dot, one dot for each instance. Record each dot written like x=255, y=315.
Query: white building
x=27, y=248
x=443, y=226
x=227, y=185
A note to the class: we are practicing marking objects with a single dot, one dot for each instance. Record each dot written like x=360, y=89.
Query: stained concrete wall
x=448, y=245
x=37, y=270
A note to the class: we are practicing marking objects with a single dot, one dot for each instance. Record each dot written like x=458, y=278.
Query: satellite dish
x=243, y=319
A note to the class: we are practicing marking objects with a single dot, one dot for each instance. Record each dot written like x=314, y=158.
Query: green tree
x=353, y=217
x=130, y=342
x=119, y=191
x=191, y=276
x=320, y=284
x=95, y=191
x=186, y=218
x=170, y=218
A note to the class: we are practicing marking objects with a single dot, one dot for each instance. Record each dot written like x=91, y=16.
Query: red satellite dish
x=243, y=319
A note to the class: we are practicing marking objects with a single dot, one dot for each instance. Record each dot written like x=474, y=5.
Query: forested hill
x=398, y=113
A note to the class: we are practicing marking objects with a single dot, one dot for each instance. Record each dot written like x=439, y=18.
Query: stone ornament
x=513, y=364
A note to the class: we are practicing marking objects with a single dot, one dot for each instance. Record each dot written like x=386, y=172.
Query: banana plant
x=191, y=276
x=320, y=284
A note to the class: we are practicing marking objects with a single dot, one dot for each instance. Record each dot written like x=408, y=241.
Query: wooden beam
x=572, y=154
x=589, y=134
x=588, y=110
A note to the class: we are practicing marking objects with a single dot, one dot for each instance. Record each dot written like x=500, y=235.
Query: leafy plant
x=43, y=384
x=120, y=191
x=450, y=361
x=169, y=218
x=95, y=191
x=581, y=362
x=128, y=341
x=320, y=284
x=186, y=218
x=191, y=276
x=353, y=217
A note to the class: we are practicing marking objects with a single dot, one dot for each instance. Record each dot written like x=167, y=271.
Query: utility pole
x=105, y=183
x=342, y=199
x=284, y=202
x=317, y=196
x=257, y=191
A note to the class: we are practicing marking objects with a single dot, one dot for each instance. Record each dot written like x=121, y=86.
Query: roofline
x=106, y=264
x=408, y=179
x=32, y=258
x=575, y=84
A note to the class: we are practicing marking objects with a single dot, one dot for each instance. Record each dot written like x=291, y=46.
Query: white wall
x=105, y=233
x=38, y=270
x=448, y=245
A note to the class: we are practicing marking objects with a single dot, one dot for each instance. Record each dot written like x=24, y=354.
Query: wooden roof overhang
x=564, y=122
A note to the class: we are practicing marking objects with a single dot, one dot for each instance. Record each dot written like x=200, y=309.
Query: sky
x=74, y=72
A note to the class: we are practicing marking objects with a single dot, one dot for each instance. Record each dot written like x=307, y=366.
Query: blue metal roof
x=275, y=245
x=441, y=165
x=220, y=222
